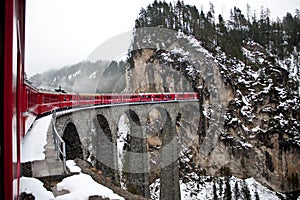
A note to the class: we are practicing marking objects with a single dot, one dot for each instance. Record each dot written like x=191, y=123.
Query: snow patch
x=72, y=166
x=82, y=186
x=123, y=131
x=33, y=143
x=93, y=75
x=207, y=187
x=36, y=188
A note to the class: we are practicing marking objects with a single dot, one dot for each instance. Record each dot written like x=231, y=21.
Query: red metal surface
x=7, y=101
x=169, y=96
x=14, y=101
x=20, y=98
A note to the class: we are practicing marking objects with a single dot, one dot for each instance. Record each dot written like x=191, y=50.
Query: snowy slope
x=206, y=187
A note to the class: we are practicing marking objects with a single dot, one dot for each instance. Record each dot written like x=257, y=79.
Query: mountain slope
x=80, y=77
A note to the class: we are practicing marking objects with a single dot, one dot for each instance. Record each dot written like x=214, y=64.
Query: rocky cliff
x=248, y=121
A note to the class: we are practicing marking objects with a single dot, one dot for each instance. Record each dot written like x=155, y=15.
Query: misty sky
x=65, y=32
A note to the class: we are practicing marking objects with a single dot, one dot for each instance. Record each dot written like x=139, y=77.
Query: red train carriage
x=168, y=96
x=32, y=100
x=98, y=99
x=48, y=101
x=111, y=98
x=157, y=97
x=145, y=97
x=186, y=96
x=68, y=100
x=130, y=98
x=88, y=99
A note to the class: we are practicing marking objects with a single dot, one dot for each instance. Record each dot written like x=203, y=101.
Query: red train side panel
x=32, y=99
x=12, y=108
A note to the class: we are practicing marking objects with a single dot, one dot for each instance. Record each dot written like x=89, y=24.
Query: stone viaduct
x=92, y=133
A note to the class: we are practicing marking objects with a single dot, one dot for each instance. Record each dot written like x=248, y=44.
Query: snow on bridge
x=37, y=146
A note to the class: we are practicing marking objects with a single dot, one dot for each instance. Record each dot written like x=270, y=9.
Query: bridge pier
x=136, y=167
x=169, y=174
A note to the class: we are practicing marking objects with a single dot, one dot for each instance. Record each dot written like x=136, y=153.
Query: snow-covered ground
x=34, y=141
x=35, y=187
x=80, y=187
x=29, y=120
x=206, y=187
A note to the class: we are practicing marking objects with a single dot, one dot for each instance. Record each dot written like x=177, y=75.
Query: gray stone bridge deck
x=51, y=166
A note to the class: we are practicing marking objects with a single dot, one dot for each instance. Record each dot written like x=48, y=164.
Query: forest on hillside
x=259, y=59
x=280, y=37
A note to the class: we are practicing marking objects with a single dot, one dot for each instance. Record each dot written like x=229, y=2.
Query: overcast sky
x=65, y=32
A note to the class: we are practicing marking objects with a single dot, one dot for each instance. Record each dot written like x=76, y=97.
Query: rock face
x=149, y=75
x=257, y=133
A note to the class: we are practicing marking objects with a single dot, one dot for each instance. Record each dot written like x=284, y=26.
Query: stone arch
x=104, y=147
x=136, y=137
x=72, y=141
x=135, y=166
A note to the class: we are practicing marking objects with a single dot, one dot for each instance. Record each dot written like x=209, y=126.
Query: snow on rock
x=123, y=132
x=72, y=166
x=82, y=186
x=155, y=189
x=255, y=188
x=93, y=75
x=207, y=187
x=246, y=144
x=35, y=187
x=34, y=141
x=74, y=75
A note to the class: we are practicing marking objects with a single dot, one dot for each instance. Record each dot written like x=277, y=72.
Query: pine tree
x=230, y=35
x=236, y=191
x=228, y=194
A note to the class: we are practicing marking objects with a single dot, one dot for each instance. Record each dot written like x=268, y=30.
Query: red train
x=39, y=102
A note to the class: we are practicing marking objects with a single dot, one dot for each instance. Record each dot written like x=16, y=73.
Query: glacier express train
x=40, y=102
